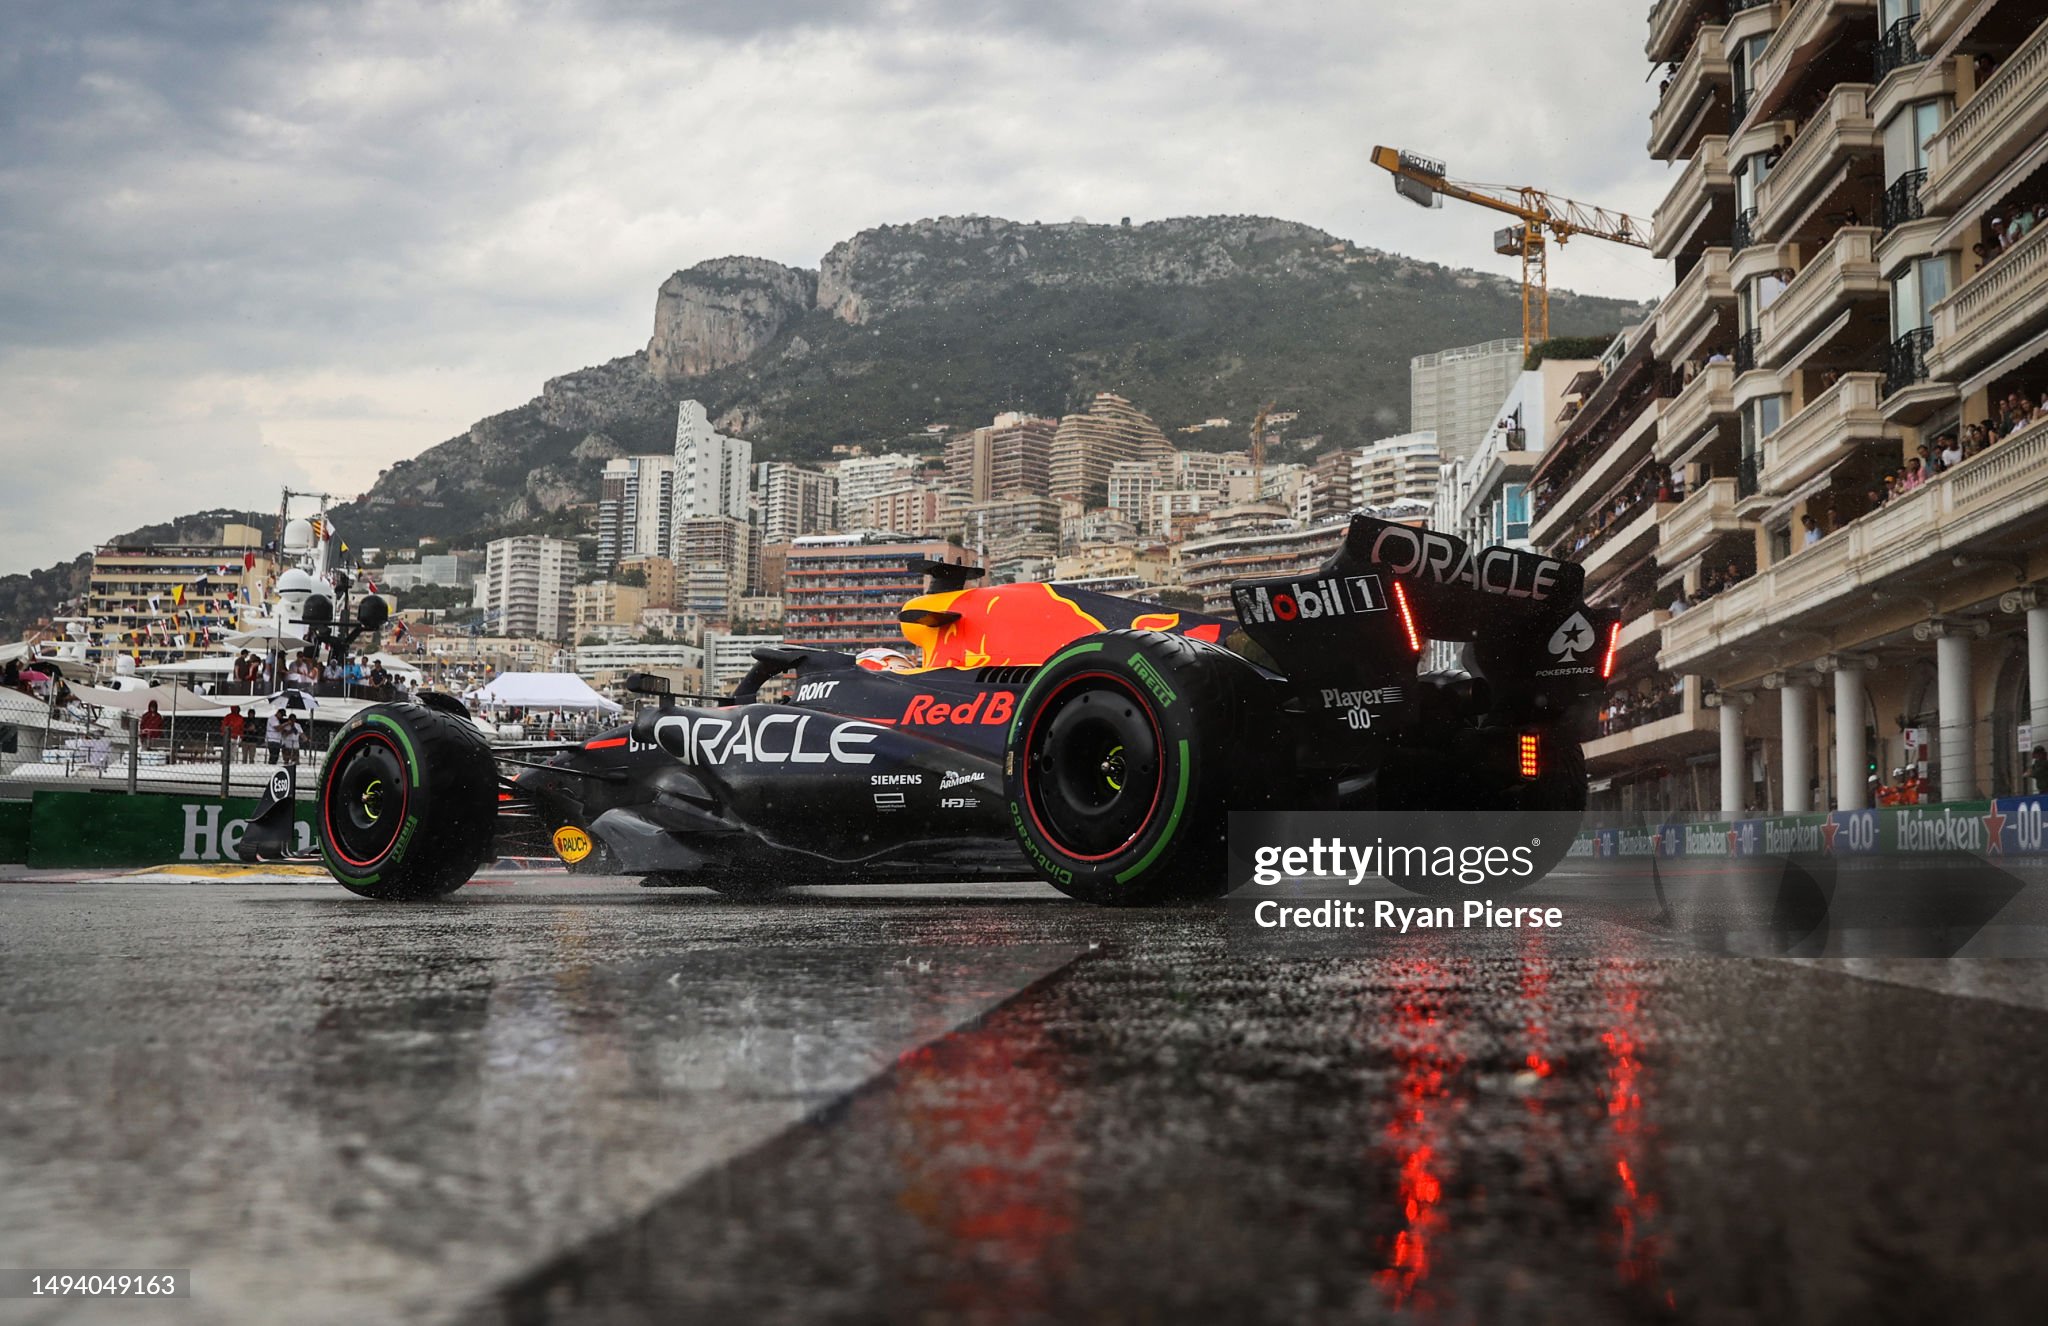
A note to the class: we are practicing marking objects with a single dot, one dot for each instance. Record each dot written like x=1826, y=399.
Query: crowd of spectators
x=2016, y=412
x=1644, y=701
x=1653, y=483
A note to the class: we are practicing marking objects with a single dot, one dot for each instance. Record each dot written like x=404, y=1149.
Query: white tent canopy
x=170, y=699
x=543, y=690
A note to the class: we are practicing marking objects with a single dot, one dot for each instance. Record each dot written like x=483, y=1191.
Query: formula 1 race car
x=1091, y=741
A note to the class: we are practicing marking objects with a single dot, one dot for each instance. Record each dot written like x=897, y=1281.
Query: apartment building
x=718, y=562
x=1013, y=455
x=657, y=575
x=527, y=588
x=711, y=470
x=864, y=478
x=844, y=591
x=1391, y=470
x=1252, y=542
x=1452, y=393
x=607, y=609
x=163, y=602
x=1857, y=278
x=635, y=508
x=792, y=501
x=1087, y=445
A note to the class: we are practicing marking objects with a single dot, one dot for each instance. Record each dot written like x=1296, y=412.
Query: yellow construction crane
x=1259, y=451
x=1540, y=218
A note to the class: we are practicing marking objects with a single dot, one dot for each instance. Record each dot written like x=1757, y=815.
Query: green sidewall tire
x=450, y=807
x=1198, y=697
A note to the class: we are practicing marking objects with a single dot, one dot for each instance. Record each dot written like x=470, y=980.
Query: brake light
x=1407, y=617
x=1531, y=754
x=1613, y=643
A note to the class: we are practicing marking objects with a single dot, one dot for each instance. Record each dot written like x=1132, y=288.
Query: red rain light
x=1613, y=643
x=1407, y=617
x=1531, y=749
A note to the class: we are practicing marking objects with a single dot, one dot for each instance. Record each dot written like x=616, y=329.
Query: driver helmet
x=884, y=660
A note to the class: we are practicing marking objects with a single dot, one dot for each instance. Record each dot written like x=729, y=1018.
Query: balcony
x=1671, y=27
x=1665, y=730
x=1906, y=362
x=1993, y=309
x=1743, y=233
x=1990, y=130
x=1703, y=183
x=1644, y=627
x=1694, y=305
x=1819, y=161
x=1809, y=27
x=1911, y=542
x=1941, y=19
x=1896, y=49
x=1826, y=432
x=1613, y=458
x=1688, y=102
x=1707, y=401
x=1705, y=515
x=1902, y=200
x=1841, y=276
x=1625, y=544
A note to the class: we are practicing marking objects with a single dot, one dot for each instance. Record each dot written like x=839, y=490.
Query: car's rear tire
x=1121, y=764
x=408, y=803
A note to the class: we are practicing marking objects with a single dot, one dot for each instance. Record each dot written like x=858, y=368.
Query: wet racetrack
x=566, y=1100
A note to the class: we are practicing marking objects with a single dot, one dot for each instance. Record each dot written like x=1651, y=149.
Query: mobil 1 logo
x=1329, y=596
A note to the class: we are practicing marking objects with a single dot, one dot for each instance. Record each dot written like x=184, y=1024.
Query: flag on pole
x=178, y=595
x=248, y=561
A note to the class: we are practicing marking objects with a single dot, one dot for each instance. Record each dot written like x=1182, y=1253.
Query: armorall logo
x=1318, y=598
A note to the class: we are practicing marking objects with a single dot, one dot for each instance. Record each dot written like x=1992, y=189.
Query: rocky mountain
x=951, y=320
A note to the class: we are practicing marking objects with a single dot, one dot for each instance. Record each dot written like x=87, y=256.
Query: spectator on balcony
x=1811, y=535
x=1873, y=498
x=1912, y=478
x=1678, y=603
x=1930, y=464
x=1951, y=452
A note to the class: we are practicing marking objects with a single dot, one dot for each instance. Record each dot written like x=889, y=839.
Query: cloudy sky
x=244, y=244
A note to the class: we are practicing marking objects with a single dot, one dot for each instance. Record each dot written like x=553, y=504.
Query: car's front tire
x=408, y=803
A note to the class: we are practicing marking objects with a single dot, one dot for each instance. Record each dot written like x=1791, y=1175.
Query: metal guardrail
x=1906, y=361
x=1902, y=200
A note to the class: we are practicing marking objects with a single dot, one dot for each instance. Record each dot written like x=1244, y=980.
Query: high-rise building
x=635, y=508
x=844, y=591
x=528, y=586
x=1086, y=445
x=717, y=561
x=1452, y=393
x=1012, y=455
x=712, y=470
x=1397, y=469
x=864, y=478
x=1131, y=486
x=793, y=501
x=608, y=610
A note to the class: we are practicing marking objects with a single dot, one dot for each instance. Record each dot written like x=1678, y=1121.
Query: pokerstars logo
x=1328, y=597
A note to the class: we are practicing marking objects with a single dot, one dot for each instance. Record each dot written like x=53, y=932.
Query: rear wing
x=1351, y=635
